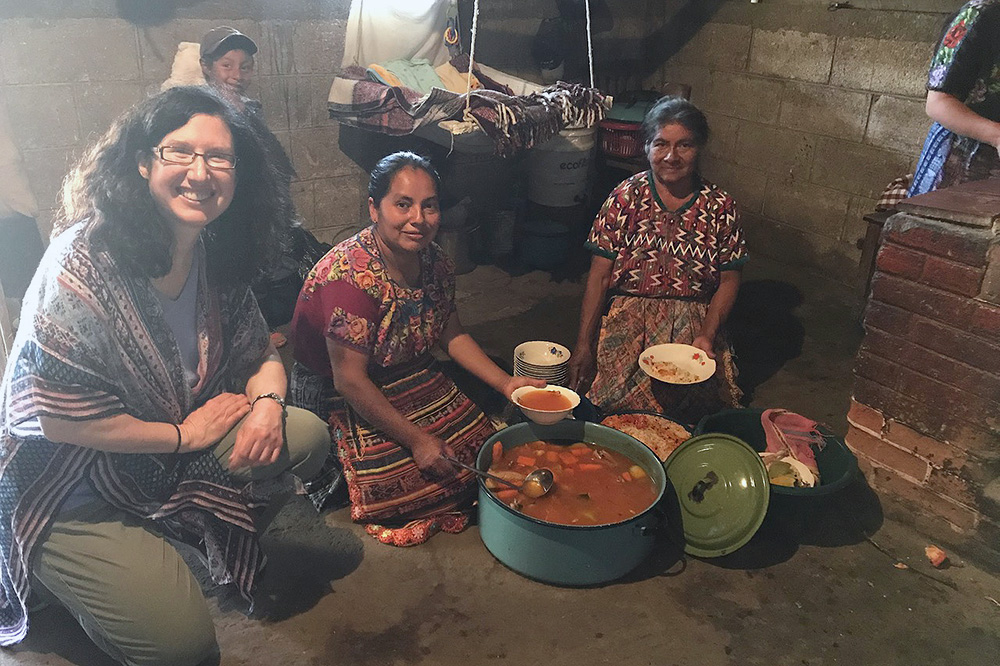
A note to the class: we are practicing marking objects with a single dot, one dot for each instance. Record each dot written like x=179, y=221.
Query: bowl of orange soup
x=545, y=406
x=596, y=523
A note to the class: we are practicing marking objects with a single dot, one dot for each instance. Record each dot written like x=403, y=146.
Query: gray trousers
x=128, y=586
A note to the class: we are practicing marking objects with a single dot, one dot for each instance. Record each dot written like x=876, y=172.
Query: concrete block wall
x=924, y=415
x=813, y=113
x=68, y=68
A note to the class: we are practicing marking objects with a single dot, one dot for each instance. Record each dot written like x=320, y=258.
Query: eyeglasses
x=185, y=156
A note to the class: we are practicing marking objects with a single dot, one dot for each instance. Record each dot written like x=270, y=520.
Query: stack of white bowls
x=539, y=359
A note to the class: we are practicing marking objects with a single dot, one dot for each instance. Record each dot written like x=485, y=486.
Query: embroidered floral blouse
x=350, y=298
x=967, y=62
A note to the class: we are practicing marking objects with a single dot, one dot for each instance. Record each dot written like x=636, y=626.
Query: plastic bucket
x=559, y=169
x=458, y=244
x=544, y=244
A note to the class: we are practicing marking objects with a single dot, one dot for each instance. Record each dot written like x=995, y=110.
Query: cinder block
x=70, y=50
x=723, y=136
x=745, y=185
x=856, y=168
x=811, y=208
x=856, y=227
x=305, y=201
x=307, y=101
x=274, y=96
x=46, y=170
x=317, y=46
x=882, y=65
x=805, y=56
x=744, y=96
x=98, y=104
x=315, y=154
x=42, y=116
x=341, y=201
x=828, y=257
x=699, y=78
x=897, y=124
x=776, y=150
x=717, y=45
x=824, y=110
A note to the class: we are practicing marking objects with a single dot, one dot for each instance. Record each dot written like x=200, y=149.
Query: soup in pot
x=593, y=485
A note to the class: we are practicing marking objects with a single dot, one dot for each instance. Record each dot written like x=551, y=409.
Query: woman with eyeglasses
x=667, y=252
x=142, y=400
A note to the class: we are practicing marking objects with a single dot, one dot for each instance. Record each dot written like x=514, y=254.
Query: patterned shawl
x=93, y=343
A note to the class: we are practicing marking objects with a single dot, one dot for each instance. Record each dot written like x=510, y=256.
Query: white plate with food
x=677, y=364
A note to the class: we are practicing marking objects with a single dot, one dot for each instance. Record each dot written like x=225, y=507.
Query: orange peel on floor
x=935, y=556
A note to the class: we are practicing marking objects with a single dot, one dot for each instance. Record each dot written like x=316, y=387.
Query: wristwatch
x=271, y=395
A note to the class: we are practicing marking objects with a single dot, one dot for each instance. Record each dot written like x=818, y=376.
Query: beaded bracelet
x=178, y=429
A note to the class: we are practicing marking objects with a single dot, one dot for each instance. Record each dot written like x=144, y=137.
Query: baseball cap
x=227, y=37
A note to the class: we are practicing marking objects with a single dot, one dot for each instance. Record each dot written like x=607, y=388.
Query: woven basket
x=621, y=139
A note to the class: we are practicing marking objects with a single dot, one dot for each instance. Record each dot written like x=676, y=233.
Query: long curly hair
x=106, y=189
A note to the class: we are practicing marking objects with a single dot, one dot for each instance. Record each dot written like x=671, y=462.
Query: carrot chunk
x=584, y=467
x=497, y=451
x=626, y=476
x=525, y=461
x=505, y=496
x=568, y=458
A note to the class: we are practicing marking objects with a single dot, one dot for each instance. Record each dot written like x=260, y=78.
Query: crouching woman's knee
x=308, y=440
x=189, y=643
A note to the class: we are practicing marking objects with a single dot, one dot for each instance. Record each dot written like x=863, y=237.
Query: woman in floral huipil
x=368, y=317
x=963, y=99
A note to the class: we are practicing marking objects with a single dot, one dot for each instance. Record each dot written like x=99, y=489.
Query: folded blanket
x=416, y=74
x=454, y=80
x=380, y=74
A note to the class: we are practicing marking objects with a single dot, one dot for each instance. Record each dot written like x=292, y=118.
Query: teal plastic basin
x=837, y=465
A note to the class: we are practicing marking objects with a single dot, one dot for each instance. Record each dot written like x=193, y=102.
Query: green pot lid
x=722, y=492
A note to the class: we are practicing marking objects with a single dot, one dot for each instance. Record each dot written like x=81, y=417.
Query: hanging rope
x=590, y=46
x=472, y=56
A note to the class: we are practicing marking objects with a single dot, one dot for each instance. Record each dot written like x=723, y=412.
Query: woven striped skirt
x=631, y=325
x=387, y=491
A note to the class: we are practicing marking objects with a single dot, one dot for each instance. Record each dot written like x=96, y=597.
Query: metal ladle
x=536, y=484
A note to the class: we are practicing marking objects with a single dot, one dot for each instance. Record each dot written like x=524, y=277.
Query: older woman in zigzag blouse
x=667, y=253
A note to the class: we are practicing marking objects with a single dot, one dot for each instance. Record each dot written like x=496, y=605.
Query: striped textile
x=634, y=323
x=384, y=484
x=94, y=344
x=930, y=166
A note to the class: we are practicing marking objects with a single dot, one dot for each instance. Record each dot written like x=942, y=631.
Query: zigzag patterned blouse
x=660, y=253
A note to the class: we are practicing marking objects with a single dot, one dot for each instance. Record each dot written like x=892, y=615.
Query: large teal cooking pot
x=573, y=555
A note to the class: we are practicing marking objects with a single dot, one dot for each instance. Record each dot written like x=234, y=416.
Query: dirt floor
x=820, y=583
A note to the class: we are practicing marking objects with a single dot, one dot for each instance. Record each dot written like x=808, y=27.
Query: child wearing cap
x=227, y=62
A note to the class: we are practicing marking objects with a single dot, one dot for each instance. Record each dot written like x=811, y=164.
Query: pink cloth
x=792, y=434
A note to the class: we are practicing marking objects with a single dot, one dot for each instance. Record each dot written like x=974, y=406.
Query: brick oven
x=925, y=414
